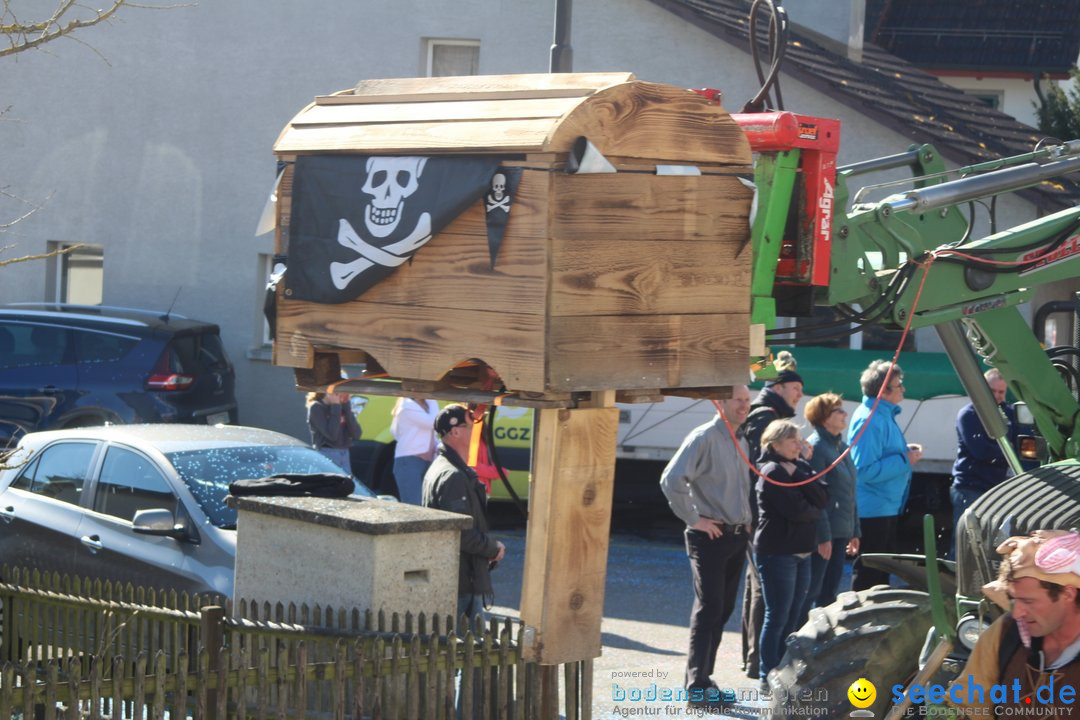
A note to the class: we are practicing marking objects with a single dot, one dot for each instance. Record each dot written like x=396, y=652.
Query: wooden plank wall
x=647, y=274
x=629, y=281
x=447, y=305
x=651, y=274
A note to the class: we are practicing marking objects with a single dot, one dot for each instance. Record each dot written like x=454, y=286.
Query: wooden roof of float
x=518, y=114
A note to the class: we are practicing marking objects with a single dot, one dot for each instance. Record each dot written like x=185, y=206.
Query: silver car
x=138, y=503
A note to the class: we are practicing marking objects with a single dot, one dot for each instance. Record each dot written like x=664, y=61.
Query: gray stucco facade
x=152, y=136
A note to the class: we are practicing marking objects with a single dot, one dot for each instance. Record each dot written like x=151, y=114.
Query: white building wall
x=161, y=151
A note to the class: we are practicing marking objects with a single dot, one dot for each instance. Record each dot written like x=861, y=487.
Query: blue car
x=64, y=366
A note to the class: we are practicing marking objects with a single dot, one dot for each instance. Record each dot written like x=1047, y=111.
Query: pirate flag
x=504, y=184
x=355, y=219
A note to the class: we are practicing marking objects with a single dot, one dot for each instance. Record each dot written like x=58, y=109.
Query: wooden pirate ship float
x=550, y=275
x=565, y=241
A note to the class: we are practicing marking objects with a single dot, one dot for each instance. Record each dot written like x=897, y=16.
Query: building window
x=452, y=57
x=79, y=274
x=991, y=100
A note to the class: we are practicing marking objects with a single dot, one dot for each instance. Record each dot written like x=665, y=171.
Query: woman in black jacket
x=786, y=535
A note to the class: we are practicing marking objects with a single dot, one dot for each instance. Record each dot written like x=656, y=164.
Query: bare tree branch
x=68, y=17
x=26, y=258
x=24, y=36
x=34, y=207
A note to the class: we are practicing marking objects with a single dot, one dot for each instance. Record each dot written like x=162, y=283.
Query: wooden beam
x=477, y=86
x=701, y=393
x=644, y=395
x=567, y=535
x=598, y=399
x=360, y=386
x=326, y=370
x=447, y=111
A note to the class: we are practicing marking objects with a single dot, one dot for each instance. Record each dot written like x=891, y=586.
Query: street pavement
x=645, y=627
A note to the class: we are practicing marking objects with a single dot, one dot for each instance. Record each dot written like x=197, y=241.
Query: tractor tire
x=875, y=634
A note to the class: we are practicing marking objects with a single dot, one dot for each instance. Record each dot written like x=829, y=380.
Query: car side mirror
x=159, y=522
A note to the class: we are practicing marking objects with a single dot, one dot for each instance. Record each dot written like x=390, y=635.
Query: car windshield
x=208, y=471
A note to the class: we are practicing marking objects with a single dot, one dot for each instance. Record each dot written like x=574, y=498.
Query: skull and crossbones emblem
x=390, y=181
x=498, y=198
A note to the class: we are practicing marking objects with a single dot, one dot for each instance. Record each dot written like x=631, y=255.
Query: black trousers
x=715, y=566
x=753, y=617
x=878, y=536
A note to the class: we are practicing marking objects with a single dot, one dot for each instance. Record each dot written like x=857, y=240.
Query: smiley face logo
x=862, y=693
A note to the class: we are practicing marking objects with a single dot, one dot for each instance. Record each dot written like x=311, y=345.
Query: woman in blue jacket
x=788, y=511
x=883, y=461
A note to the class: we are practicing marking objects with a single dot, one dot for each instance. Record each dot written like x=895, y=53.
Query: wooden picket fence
x=74, y=648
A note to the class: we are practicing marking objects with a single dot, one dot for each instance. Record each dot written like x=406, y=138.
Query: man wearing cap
x=450, y=484
x=1034, y=649
x=706, y=485
x=776, y=401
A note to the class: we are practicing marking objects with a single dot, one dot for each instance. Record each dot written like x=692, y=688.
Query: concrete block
x=348, y=552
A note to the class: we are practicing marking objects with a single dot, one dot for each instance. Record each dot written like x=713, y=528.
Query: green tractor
x=905, y=262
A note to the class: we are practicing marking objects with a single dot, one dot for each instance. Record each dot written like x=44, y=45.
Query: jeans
x=784, y=580
x=962, y=498
x=715, y=567
x=824, y=579
x=340, y=457
x=470, y=606
x=409, y=474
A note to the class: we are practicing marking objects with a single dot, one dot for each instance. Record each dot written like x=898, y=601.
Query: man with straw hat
x=1028, y=661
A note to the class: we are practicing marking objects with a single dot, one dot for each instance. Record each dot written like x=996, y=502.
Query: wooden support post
x=567, y=536
x=211, y=637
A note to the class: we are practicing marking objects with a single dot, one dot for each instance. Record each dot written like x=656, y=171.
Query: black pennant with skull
x=355, y=219
x=497, y=203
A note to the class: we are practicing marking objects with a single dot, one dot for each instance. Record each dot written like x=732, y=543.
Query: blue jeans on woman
x=409, y=475
x=825, y=578
x=340, y=457
x=784, y=582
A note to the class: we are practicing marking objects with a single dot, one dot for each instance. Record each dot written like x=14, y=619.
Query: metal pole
x=905, y=159
x=562, y=54
x=967, y=369
x=1075, y=359
x=977, y=186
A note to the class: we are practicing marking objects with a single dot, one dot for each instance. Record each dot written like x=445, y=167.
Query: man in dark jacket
x=450, y=484
x=980, y=464
x=776, y=401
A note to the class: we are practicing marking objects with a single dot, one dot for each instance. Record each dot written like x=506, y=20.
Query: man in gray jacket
x=706, y=485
